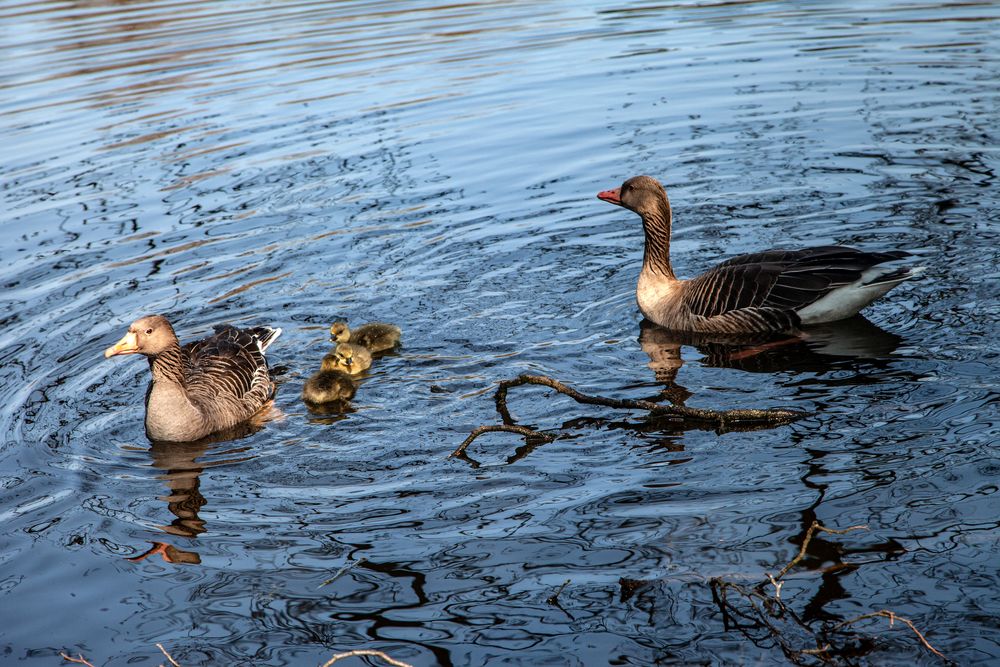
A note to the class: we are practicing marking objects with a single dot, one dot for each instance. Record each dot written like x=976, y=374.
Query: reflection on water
x=181, y=476
x=433, y=165
x=814, y=350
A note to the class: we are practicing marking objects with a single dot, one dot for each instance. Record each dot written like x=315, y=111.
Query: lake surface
x=436, y=166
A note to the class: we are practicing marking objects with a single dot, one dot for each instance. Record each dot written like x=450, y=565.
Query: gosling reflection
x=814, y=350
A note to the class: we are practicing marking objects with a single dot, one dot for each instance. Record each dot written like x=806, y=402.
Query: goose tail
x=265, y=336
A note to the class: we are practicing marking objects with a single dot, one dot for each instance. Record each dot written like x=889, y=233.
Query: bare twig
x=774, y=610
x=554, y=598
x=720, y=420
x=892, y=616
x=79, y=660
x=491, y=428
x=808, y=538
x=346, y=568
x=169, y=657
x=377, y=654
x=717, y=418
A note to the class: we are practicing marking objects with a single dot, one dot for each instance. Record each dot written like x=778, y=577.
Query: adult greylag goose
x=774, y=290
x=203, y=387
x=375, y=336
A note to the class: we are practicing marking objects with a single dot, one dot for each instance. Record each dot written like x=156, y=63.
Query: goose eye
x=149, y=331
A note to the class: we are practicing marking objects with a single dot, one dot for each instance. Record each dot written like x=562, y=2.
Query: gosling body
x=374, y=336
x=328, y=386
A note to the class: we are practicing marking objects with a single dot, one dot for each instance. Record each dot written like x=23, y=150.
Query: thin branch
x=377, y=654
x=554, y=598
x=341, y=571
x=492, y=428
x=169, y=657
x=717, y=418
x=892, y=616
x=79, y=660
x=805, y=543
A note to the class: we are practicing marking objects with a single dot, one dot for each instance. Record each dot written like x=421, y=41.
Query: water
x=435, y=166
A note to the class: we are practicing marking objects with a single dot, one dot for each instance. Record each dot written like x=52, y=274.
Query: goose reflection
x=181, y=474
x=816, y=349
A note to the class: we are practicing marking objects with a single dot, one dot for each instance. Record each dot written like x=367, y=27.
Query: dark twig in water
x=768, y=613
x=554, y=598
x=805, y=545
x=346, y=568
x=377, y=654
x=492, y=428
x=720, y=419
x=892, y=618
x=79, y=660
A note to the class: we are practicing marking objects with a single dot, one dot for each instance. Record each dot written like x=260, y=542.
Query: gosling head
x=642, y=194
x=148, y=336
x=340, y=332
x=349, y=358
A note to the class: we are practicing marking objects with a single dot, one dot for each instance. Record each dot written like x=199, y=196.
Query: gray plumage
x=775, y=290
x=202, y=387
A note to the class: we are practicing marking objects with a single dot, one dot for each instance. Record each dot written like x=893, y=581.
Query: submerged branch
x=720, y=419
x=892, y=616
x=377, y=654
x=805, y=545
x=169, y=657
x=768, y=612
x=493, y=428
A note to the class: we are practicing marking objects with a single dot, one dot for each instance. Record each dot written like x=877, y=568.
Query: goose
x=775, y=290
x=349, y=358
x=328, y=386
x=203, y=387
x=375, y=336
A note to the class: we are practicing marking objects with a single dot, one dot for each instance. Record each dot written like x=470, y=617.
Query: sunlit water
x=436, y=166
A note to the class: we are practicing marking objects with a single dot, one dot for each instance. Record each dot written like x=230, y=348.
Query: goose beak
x=129, y=344
x=611, y=196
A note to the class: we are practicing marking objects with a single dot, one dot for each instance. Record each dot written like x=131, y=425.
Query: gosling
x=328, y=386
x=374, y=336
x=348, y=358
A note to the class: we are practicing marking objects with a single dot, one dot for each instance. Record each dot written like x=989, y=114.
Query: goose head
x=148, y=336
x=642, y=194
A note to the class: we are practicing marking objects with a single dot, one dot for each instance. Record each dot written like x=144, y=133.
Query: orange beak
x=611, y=196
x=129, y=344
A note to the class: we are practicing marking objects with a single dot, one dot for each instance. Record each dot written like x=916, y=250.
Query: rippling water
x=435, y=166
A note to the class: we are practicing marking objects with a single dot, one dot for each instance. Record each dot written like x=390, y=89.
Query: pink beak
x=611, y=196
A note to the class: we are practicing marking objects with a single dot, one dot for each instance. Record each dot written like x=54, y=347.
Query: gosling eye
x=149, y=331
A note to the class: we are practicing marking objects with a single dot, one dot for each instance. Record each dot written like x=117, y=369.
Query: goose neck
x=168, y=366
x=656, y=225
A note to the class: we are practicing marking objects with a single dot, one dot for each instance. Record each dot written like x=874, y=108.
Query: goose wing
x=778, y=280
x=226, y=374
